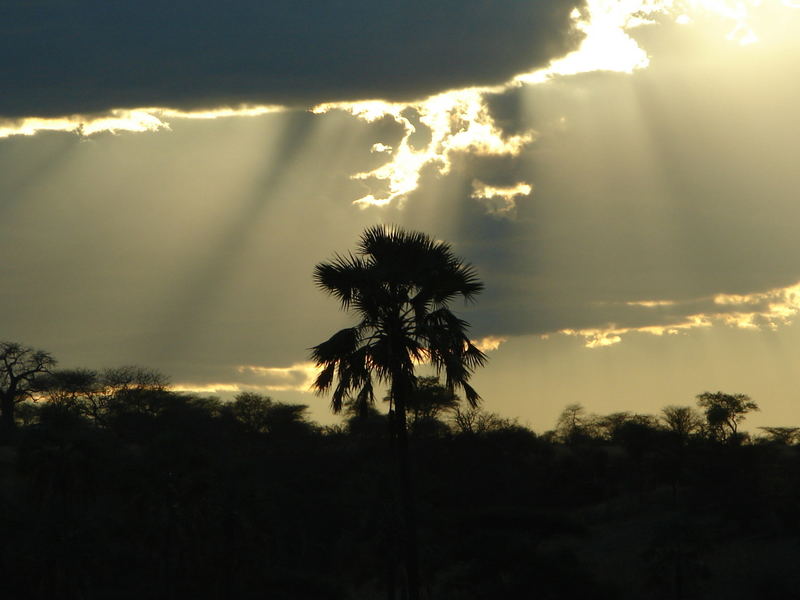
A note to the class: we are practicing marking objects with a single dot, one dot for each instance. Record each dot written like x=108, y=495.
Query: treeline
x=112, y=486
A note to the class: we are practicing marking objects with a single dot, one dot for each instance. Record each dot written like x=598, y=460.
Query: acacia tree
x=782, y=435
x=724, y=412
x=19, y=367
x=399, y=284
x=682, y=421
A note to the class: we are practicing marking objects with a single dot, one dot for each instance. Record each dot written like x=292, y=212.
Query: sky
x=622, y=173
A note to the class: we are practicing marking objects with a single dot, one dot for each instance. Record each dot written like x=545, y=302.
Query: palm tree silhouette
x=399, y=283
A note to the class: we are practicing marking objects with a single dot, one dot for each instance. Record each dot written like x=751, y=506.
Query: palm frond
x=442, y=329
x=338, y=397
x=340, y=344
x=459, y=279
x=342, y=278
x=364, y=399
x=473, y=356
x=473, y=398
x=324, y=379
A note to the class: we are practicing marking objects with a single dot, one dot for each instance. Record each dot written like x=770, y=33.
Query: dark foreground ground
x=182, y=497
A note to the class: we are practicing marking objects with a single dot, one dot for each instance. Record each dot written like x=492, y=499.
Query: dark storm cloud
x=62, y=57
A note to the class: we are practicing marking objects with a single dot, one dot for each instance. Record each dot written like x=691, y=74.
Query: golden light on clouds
x=761, y=310
x=602, y=337
x=258, y=378
x=767, y=309
x=606, y=45
x=651, y=303
x=500, y=201
x=116, y=120
x=136, y=120
x=209, y=388
x=297, y=377
x=216, y=113
x=458, y=121
x=489, y=343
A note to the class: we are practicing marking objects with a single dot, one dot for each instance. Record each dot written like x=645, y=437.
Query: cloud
x=117, y=120
x=452, y=122
x=62, y=58
x=489, y=343
x=297, y=377
x=500, y=201
x=607, y=45
x=257, y=378
x=459, y=120
x=656, y=192
x=756, y=311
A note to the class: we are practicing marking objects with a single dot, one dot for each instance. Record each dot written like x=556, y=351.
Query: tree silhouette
x=476, y=421
x=682, y=421
x=782, y=435
x=399, y=284
x=724, y=412
x=75, y=390
x=429, y=400
x=19, y=367
x=575, y=424
x=251, y=410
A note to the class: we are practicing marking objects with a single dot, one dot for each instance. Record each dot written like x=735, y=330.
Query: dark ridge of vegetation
x=114, y=487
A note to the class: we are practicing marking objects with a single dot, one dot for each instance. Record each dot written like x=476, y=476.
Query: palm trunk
x=409, y=533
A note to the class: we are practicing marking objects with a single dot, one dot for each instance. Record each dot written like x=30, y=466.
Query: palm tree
x=399, y=284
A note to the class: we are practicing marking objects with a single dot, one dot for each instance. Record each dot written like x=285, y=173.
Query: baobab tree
x=19, y=367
